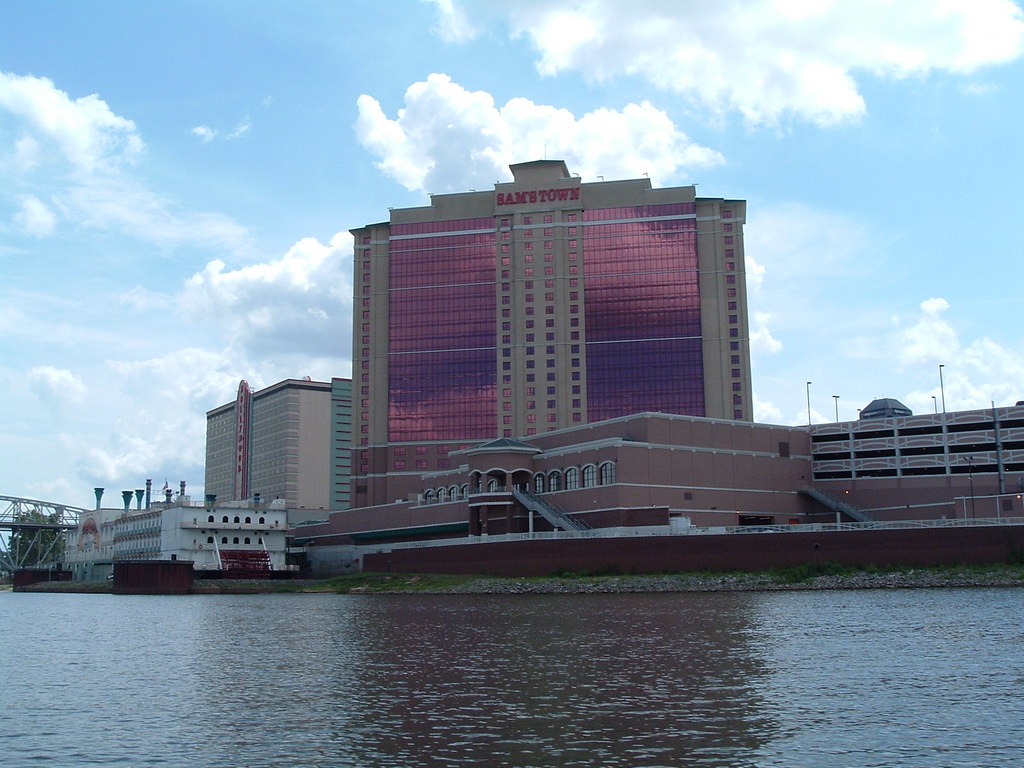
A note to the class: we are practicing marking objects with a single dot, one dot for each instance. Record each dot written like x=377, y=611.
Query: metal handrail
x=548, y=511
x=694, y=530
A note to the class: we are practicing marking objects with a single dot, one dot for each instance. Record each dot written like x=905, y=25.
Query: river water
x=900, y=678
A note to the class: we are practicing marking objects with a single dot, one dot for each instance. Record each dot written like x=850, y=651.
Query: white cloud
x=297, y=305
x=56, y=386
x=129, y=206
x=931, y=338
x=205, y=133
x=155, y=417
x=243, y=127
x=765, y=412
x=35, y=218
x=446, y=138
x=802, y=265
x=975, y=374
x=453, y=23
x=85, y=156
x=763, y=58
x=88, y=134
x=26, y=154
x=978, y=89
x=761, y=340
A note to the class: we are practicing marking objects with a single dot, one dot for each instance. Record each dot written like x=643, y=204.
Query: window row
x=224, y=519
x=442, y=495
x=572, y=478
x=234, y=540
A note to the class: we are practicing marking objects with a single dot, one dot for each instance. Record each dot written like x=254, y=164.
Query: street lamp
x=935, y=403
x=809, y=402
x=836, y=398
x=942, y=387
x=970, y=479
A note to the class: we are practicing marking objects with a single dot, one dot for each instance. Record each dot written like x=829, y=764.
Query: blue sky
x=177, y=182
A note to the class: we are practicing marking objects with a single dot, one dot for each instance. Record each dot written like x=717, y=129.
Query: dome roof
x=884, y=408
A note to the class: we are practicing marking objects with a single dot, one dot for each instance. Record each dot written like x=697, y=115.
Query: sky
x=178, y=181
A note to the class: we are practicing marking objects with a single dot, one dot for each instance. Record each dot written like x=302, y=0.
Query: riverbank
x=800, y=578
x=789, y=579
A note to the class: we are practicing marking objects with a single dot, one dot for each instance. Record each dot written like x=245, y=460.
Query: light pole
x=836, y=398
x=942, y=387
x=809, y=402
x=935, y=403
x=970, y=479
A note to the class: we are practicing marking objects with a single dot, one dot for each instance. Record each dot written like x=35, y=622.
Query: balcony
x=221, y=526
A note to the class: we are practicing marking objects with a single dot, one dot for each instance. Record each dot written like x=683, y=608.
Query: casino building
x=541, y=305
x=288, y=441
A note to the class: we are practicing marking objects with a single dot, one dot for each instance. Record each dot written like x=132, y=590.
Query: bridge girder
x=27, y=528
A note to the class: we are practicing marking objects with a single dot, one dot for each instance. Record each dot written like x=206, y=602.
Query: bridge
x=32, y=532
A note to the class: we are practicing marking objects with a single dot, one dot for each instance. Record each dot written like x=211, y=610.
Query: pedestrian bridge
x=32, y=532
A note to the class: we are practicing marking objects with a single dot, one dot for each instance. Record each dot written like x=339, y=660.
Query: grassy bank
x=806, y=576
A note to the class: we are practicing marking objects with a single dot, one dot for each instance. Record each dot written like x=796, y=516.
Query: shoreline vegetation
x=803, y=577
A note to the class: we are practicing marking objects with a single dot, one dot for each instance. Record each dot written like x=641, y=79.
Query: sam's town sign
x=538, y=196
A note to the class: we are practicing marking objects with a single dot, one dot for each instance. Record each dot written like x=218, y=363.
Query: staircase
x=837, y=505
x=549, y=512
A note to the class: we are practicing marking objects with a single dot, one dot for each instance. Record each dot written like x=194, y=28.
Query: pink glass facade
x=442, y=311
x=544, y=305
x=642, y=313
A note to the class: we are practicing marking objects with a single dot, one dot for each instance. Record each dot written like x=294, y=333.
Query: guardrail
x=694, y=530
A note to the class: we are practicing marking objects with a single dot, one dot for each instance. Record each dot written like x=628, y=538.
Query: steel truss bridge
x=32, y=532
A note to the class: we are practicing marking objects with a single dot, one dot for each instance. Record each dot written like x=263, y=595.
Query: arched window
x=608, y=473
x=262, y=520
x=223, y=539
x=247, y=541
x=555, y=481
x=492, y=485
x=589, y=476
x=464, y=491
x=538, y=483
x=235, y=541
x=248, y=519
x=442, y=495
x=210, y=519
x=225, y=519
x=260, y=540
x=209, y=539
x=453, y=493
x=572, y=479
x=236, y=519
x=428, y=496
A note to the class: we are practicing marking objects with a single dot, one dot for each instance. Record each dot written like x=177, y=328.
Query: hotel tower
x=543, y=304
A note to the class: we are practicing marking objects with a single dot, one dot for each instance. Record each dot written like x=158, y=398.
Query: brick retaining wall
x=752, y=551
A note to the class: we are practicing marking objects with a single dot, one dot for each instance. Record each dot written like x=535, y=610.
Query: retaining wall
x=748, y=551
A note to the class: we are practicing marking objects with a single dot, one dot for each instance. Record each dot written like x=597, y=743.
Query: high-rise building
x=287, y=441
x=341, y=442
x=541, y=304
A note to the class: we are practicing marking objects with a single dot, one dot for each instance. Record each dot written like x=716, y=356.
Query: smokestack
x=167, y=495
x=149, y=493
x=127, y=497
x=99, y=496
x=181, y=490
x=139, y=494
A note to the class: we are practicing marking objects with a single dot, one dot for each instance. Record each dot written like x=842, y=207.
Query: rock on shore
x=732, y=582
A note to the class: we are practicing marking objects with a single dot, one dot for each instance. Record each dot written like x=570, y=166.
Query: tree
x=36, y=539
